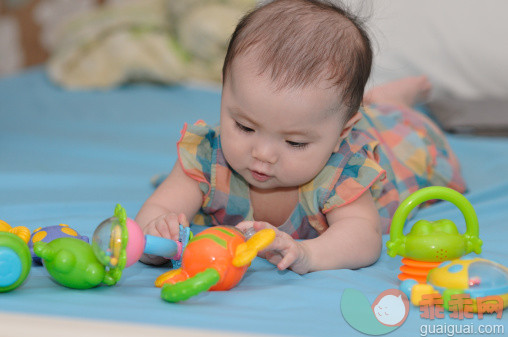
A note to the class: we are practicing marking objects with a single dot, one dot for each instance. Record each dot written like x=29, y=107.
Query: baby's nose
x=264, y=153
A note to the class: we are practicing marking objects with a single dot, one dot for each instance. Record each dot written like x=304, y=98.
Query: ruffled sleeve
x=356, y=171
x=196, y=152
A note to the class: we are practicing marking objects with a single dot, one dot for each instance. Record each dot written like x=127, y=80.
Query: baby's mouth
x=261, y=177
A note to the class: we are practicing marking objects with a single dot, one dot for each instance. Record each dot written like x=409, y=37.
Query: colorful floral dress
x=391, y=151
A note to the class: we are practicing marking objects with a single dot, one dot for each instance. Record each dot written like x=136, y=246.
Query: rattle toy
x=50, y=233
x=431, y=242
x=477, y=277
x=15, y=259
x=117, y=243
x=215, y=259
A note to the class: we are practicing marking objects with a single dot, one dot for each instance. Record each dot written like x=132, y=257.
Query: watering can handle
x=430, y=193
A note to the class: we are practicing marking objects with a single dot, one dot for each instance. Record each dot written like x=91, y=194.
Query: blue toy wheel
x=10, y=267
x=15, y=261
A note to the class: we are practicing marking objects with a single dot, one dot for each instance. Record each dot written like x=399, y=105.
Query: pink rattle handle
x=139, y=243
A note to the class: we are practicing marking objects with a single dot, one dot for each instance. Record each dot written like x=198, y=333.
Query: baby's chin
x=270, y=185
x=267, y=185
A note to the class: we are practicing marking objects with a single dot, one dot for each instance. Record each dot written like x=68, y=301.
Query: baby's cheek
x=300, y=171
x=234, y=150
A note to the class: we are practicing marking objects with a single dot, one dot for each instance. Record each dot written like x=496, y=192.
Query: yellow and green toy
x=118, y=242
x=434, y=261
x=76, y=264
x=434, y=241
x=476, y=277
x=431, y=242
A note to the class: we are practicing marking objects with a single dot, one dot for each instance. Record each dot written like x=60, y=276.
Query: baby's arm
x=353, y=240
x=177, y=199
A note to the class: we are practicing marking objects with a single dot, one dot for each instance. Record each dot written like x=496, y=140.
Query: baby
x=295, y=151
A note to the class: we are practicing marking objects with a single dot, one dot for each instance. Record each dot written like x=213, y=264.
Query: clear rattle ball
x=107, y=242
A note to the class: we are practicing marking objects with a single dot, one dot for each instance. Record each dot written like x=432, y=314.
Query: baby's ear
x=349, y=125
x=347, y=128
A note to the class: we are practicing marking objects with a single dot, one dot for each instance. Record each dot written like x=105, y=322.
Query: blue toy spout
x=155, y=245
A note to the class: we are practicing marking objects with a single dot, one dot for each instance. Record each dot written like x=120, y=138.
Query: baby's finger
x=288, y=259
x=182, y=220
x=281, y=242
x=162, y=228
x=259, y=225
x=173, y=226
x=245, y=225
x=273, y=257
x=151, y=230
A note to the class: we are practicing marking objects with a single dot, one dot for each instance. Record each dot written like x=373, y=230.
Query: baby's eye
x=297, y=145
x=243, y=127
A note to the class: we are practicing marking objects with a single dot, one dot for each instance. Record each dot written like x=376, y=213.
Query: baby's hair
x=303, y=41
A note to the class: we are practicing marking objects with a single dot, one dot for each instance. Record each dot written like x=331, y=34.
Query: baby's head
x=302, y=42
x=294, y=74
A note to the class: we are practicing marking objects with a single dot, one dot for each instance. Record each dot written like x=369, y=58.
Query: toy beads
x=110, y=240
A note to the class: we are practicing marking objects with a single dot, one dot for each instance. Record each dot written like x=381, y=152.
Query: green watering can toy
x=434, y=241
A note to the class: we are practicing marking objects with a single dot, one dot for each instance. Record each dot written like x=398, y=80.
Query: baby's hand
x=166, y=226
x=284, y=251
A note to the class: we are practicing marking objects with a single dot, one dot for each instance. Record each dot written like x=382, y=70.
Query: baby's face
x=277, y=138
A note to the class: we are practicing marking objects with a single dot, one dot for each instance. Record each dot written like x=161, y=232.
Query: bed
x=69, y=157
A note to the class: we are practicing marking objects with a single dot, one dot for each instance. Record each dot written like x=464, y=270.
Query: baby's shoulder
x=198, y=148
x=199, y=138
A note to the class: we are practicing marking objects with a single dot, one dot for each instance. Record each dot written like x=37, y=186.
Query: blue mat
x=69, y=157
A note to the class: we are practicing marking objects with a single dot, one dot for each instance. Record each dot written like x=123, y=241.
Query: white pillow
x=461, y=45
